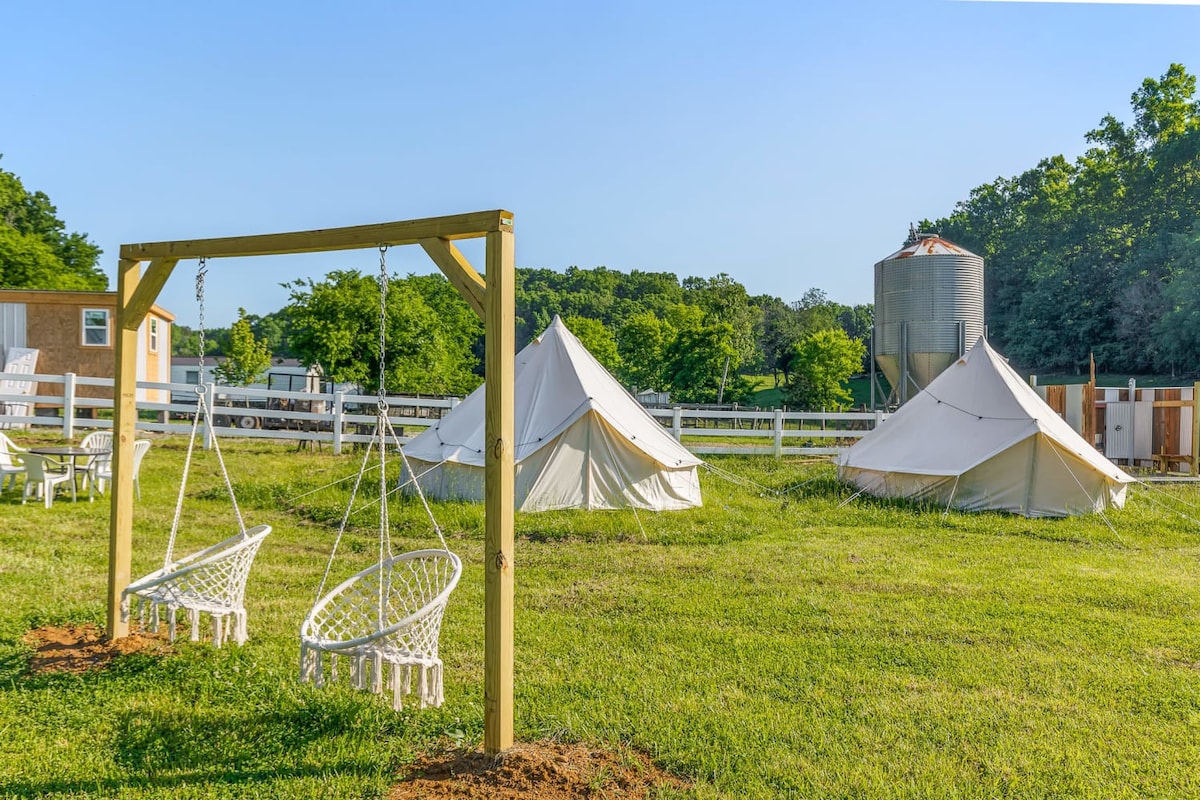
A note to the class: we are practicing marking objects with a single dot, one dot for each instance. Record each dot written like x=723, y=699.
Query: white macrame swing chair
x=213, y=580
x=390, y=613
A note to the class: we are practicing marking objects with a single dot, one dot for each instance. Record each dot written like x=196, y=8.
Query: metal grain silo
x=928, y=310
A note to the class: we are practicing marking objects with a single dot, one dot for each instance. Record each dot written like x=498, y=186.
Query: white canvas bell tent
x=979, y=438
x=582, y=441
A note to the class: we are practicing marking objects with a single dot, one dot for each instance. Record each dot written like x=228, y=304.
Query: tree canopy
x=36, y=251
x=248, y=357
x=335, y=323
x=823, y=361
x=1097, y=254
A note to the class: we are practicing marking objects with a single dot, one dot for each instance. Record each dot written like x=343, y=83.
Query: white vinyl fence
x=340, y=418
x=764, y=432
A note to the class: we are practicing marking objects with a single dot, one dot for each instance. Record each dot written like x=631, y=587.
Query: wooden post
x=120, y=521
x=1195, y=429
x=1089, y=403
x=500, y=341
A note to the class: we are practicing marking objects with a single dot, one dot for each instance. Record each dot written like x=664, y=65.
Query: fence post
x=676, y=423
x=878, y=418
x=68, y=405
x=778, y=428
x=338, y=400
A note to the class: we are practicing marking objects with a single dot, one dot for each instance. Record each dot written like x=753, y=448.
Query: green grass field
x=767, y=395
x=764, y=646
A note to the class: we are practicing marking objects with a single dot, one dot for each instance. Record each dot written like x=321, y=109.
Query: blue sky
x=788, y=144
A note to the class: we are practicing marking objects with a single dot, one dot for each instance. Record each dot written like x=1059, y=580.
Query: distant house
x=76, y=332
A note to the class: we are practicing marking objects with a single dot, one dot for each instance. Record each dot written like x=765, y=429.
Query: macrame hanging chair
x=213, y=580
x=386, y=619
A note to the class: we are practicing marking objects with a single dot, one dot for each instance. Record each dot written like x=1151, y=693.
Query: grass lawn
x=762, y=646
x=767, y=395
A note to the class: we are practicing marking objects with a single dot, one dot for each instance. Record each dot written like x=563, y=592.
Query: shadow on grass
x=191, y=739
x=215, y=774
x=164, y=748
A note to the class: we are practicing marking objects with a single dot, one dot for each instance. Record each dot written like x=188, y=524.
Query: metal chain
x=381, y=424
x=383, y=291
x=201, y=271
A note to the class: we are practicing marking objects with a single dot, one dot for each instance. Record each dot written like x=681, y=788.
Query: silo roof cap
x=930, y=246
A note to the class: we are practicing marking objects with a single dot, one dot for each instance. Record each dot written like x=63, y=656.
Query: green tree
x=247, y=357
x=695, y=362
x=185, y=341
x=36, y=251
x=724, y=300
x=462, y=326
x=335, y=323
x=273, y=330
x=642, y=342
x=859, y=323
x=598, y=340
x=823, y=362
x=781, y=327
x=1167, y=107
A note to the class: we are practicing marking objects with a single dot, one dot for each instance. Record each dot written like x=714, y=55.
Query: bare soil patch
x=79, y=648
x=535, y=771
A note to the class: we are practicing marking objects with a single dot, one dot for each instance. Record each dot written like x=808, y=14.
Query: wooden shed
x=74, y=332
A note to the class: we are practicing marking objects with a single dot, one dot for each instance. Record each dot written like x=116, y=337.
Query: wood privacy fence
x=340, y=418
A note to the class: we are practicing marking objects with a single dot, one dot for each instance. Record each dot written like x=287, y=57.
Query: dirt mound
x=79, y=648
x=537, y=771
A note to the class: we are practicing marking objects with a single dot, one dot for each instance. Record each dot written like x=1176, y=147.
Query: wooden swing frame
x=491, y=300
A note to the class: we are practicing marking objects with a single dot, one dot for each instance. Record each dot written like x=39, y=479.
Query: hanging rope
x=420, y=493
x=346, y=517
x=202, y=410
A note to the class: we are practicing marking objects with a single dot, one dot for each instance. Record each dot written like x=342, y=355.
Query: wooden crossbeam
x=459, y=226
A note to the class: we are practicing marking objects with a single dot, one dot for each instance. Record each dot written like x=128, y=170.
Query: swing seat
x=402, y=631
x=212, y=581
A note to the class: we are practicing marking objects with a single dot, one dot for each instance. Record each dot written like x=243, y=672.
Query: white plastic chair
x=10, y=462
x=97, y=440
x=42, y=481
x=100, y=471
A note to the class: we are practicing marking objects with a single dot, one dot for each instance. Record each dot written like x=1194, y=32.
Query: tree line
x=698, y=338
x=1101, y=254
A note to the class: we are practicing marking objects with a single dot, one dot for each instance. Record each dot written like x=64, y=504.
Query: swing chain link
x=201, y=272
x=383, y=292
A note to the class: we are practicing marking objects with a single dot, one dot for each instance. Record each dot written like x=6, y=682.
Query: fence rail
x=340, y=418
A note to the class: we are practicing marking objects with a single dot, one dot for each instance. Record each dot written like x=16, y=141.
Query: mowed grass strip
x=763, y=646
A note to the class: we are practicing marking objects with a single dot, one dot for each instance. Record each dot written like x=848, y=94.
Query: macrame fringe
x=367, y=671
x=224, y=625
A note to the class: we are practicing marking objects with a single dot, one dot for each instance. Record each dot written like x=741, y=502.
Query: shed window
x=95, y=327
x=153, y=335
